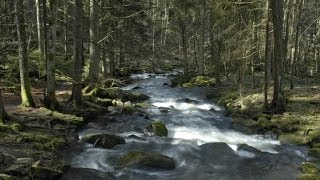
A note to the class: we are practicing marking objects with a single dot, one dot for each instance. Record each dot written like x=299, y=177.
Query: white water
x=190, y=125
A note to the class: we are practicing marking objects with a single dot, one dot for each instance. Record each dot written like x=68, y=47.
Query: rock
x=137, y=87
x=103, y=140
x=308, y=177
x=166, y=84
x=5, y=160
x=148, y=160
x=248, y=148
x=39, y=172
x=20, y=167
x=156, y=128
x=309, y=168
x=128, y=108
x=315, y=152
x=164, y=109
x=134, y=97
x=136, y=138
x=85, y=174
x=187, y=100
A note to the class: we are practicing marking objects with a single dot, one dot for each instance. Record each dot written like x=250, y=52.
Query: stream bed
x=201, y=140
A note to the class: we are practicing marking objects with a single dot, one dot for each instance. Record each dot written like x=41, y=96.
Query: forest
x=160, y=89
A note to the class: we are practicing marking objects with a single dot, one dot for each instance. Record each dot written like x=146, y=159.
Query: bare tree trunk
x=112, y=63
x=278, y=102
x=26, y=96
x=50, y=99
x=296, y=43
x=39, y=32
x=202, y=39
x=3, y=114
x=268, y=52
x=94, y=49
x=78, y=54
x=65, y=19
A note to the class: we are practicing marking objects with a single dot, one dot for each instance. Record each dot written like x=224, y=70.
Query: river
x=201, y=140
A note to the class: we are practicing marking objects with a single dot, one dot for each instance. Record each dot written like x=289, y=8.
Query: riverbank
x=299, y=125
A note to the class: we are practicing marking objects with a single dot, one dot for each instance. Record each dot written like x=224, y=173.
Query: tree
x=50, y=99
x=3, y=114
x=26, y=96
x=268, y=53
x=94, y=48
x=278, y=102
x=77, y=54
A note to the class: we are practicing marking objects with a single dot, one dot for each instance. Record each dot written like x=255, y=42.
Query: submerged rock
x=141, y=159
x=85, y=174
x=156, y=128
x=187, y=100
x=246, y=147
x=103, y=140
x=135, y=97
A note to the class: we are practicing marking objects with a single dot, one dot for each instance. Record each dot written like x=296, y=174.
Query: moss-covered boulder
x=103, y=140
x=309, y=168
x=105, y=93
x=179, y=80
x=156, y=128
x=294, y=138
x=200, y=81
x=134, y=97
x=141, y=159
x=20, y=167
x=38, y=171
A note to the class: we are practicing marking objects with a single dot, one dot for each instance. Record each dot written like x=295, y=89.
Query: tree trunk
x=278, y=102
x=65, y=20
x=3, y=114
x=94, y=49
x=50, y=99
x=78, y=54
x=296, y=44
x=39, y=32
x=268, y=52
x=26, y=96
x=202, y=39
x=112, y=63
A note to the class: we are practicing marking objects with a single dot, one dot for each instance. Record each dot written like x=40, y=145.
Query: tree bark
x=94, y=49
x=278, y=102
x=268, y=53
x=78, y=54
x=26, y=96
x=39, y=31
x=202, y=39
x=3, y=114
x=50, y=99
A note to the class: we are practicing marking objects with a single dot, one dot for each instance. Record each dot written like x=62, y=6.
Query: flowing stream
x=201, y=140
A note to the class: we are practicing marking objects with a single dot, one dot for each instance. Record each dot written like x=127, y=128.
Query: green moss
x=42, y=142
x=109, y=93
x=128, y=109
x=131, y=158
x=159, y=128
x=294, y=138
x=265, y=124
x=309, y=168
x=315, y=152
x=308, y=177
x=246, y=122
x=179, y=80
x=16, y=127
x=51, y=145
x=72, y=119
x=6, y=177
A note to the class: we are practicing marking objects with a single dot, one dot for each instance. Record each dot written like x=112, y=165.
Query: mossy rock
x=146, y=160
x=68, y=118
x=246, y=122
x=16, y=127
x=42, y=142
x=314, y=136
x=134, y=97
x=103, y=140
x=156, y=128
x=315, y=152
x=40, y=172
x=20, y=167
x=309, y=168
x=128, y=108
x=294, y=138
x=179, y=80
x=309, y=177
x=200, y=81
x=105, y=93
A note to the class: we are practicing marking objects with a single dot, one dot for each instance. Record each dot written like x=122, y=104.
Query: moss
x=294, y=138
x=246, y=122
x=109, y=93
x=72, y=119
x=6, y=177
x=265, y=124
x=42, y=142
x=309, y=168
x=131, y=157
x=128, y=109
x=159, y=128
x=179, y=80
x=16, y=127
x=308, y=177
x=315, y=152
x=51, y=145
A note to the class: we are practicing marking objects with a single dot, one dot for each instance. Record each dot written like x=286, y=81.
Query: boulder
x=5, y=160
x=141, y=159
x=156, y=128
x=134, y=97
x=103, y=140
x=187, y=100
x=309, y=168
x=20, y=167
x=246, y=147
x=40, y=172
